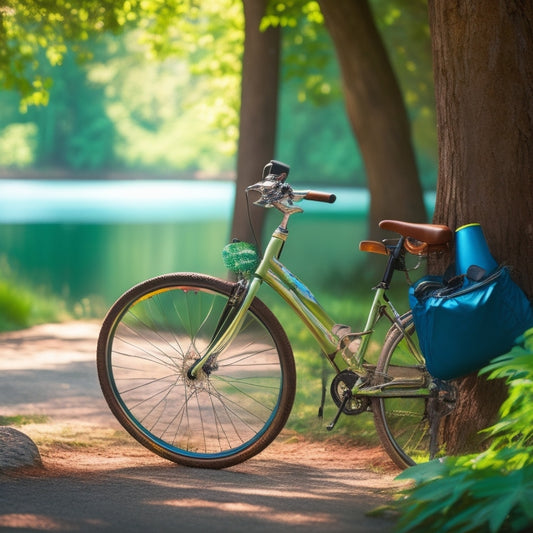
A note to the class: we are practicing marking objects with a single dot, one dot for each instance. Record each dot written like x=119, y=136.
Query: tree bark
x=258, y=114
x=376, y=112
x=483, y=69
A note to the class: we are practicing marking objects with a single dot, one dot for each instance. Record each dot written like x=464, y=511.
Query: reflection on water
x=88, y=238
x=79, y=260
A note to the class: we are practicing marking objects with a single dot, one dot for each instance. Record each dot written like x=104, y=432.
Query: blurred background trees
x=155, y=87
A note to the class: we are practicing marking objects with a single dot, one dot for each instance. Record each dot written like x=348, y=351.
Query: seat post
x=392, y=263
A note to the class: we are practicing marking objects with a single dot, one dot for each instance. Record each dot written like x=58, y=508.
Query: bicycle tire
x=401, y=422
x=152, y=335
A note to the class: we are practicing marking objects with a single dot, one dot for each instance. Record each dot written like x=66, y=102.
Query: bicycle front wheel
x=232, y=410
x=401, y=421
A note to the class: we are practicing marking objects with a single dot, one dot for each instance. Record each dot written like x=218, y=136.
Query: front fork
x=238, y=304
x=228, y=325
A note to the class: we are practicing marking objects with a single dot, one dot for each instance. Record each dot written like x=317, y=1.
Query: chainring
x=345, y=381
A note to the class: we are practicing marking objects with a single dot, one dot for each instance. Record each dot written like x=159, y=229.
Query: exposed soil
x=50, y=371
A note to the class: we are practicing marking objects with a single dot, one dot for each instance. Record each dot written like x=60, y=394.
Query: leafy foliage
x=209, y=35
x=164, y=115
x=124, y=79
x=33, y=32
x=159, y=85
x=165, y=93
x=310, y=65
x=491, y=491
x=405, y=30
x=37, y=33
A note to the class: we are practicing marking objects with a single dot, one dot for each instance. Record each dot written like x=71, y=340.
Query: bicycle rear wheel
x=402, y=422
x=236, y=407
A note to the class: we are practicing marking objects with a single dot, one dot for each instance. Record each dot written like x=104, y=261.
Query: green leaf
x=465, y=519
x=500, y=509
x=424, y=471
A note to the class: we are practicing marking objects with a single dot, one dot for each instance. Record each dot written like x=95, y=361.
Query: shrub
x=491, y=491
x=23, y=305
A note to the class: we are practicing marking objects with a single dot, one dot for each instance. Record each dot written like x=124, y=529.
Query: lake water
x=97, y=238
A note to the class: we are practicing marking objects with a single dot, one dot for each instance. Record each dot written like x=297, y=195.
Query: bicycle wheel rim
x=231, y=411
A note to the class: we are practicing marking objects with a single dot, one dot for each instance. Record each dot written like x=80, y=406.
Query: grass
x=22, y=420
x=81, y=437
x=49, y=435
x=22, y=304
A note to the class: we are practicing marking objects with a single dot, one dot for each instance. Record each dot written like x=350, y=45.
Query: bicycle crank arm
x=346, y=397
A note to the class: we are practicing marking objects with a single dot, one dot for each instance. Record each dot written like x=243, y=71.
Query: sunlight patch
x=33, y=521
x=259, y=511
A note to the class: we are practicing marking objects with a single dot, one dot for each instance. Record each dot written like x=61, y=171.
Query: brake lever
x=268, y=190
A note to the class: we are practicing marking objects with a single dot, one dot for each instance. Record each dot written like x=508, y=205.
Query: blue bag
x=462, y=327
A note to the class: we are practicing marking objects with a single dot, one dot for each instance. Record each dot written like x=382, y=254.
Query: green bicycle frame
x=303, y=302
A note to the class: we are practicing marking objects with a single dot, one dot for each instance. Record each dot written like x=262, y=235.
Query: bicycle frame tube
x=302, y=301
x=318, y=322
x=373, y=316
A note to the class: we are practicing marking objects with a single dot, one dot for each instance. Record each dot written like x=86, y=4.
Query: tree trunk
x=483, y=68
x=376, y=112
x=258, y=114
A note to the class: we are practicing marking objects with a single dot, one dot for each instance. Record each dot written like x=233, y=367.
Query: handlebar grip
x=318, y=196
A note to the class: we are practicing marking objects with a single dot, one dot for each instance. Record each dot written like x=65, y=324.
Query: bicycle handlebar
x=318, y=196
x=276, y=193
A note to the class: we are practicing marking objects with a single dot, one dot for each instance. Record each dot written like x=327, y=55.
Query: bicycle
x=200, y=371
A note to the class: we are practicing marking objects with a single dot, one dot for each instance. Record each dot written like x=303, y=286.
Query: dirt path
x=96, y=478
